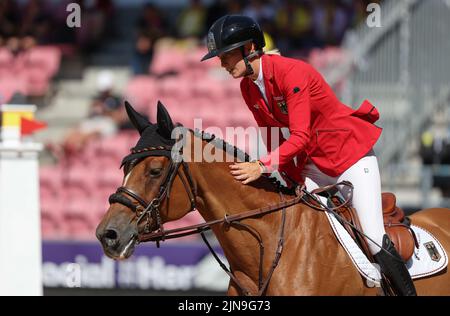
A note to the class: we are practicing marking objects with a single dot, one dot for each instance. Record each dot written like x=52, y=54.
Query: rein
x=198, y=228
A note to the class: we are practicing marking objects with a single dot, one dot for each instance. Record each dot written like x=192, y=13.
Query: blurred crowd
x=106, y=118
x=435, y=152
x=293, y=26
x=25, y=24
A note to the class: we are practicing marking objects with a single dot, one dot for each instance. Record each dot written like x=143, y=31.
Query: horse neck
x=219, y=194
x=305, y=234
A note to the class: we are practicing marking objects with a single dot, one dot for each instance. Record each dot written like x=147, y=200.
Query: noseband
x=144, y=209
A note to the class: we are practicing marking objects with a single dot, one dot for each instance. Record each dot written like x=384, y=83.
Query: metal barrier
x=403, y=68
x=429, y=173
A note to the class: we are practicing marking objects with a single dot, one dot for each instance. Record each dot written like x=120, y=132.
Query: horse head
x=141, y=205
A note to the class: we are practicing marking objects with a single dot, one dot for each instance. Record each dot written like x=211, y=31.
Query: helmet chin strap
x=249, y=69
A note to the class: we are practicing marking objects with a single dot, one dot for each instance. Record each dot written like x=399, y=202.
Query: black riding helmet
x=233, y=31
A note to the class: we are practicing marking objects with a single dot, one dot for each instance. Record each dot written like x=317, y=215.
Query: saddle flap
x=403, y=240
x=396, y=225
x=388, y=201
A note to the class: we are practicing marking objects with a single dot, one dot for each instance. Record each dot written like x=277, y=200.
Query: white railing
x=403, y=67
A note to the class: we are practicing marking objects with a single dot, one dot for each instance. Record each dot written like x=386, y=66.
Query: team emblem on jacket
x=283, y=107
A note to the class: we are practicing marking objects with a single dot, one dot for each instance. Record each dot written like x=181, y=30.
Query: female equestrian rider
x=331, y=141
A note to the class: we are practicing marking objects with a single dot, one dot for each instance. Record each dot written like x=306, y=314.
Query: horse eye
x=155, y=172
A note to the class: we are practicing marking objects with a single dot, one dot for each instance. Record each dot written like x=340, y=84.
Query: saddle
x=396, y=224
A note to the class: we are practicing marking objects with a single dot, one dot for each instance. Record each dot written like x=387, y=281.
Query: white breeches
x=365, y=177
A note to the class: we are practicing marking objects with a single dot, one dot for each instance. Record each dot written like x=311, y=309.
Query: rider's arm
x=296, y=91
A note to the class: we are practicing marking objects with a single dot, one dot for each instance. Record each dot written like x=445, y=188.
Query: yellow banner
x=12, y=118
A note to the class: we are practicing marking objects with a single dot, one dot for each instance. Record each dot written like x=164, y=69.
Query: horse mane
x=243, y=156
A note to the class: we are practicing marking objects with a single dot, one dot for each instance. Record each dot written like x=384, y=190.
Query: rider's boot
x=394, y=268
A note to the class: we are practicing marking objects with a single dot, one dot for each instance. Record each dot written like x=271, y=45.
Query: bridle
x=151, y=210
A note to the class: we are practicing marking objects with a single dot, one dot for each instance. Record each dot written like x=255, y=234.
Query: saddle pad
x=430, y=258
x=359, y=259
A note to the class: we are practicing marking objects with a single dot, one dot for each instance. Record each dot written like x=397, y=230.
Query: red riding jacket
x=332, y=135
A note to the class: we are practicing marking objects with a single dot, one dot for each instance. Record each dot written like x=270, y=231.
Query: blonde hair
x=274, y=51
x=270, y=48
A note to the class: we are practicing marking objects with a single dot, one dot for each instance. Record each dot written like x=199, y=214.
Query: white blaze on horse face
x=123, y=254
x=126, y=178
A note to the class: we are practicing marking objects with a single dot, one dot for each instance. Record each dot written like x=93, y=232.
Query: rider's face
x=233, y=63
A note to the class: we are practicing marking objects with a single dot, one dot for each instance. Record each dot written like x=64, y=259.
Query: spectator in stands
x=150, y=28
x=106, y=117
x=435, y=150
x=435, y=146
x=330, y=141
x=9, y=21
x=357, y=12
x=96, y=15
x=329, y=22
x=234, y=7
x=191, y=22
x=294, y=26
x=215, y=11
x=36, y=22
x=259, y=10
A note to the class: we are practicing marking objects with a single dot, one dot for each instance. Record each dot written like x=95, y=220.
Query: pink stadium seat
x=176, y=87
x=6, y=60
x=209, y=88
x=38, y=81
x=193, y=57
x=141, y=91
x=52, y=206
x=80, y=220
x=45, y=58
x=51, y=216
x=50, y=177
x=79, y=228
x=78, y=206
x=231, y=88
x=10, y=85
x=6, y=56
x=110, y=178
x=117, y=146
x=168, y=60
x=79, y=176
x=100, y=206
x=49, y=229
x=74, y=193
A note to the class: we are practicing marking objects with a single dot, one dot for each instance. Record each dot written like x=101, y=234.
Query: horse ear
x=165, y=124
x=139, y=121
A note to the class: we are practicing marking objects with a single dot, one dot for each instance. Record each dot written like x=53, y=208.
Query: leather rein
x=151, y=211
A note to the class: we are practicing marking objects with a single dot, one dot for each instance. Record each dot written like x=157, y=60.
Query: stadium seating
x=28, y=73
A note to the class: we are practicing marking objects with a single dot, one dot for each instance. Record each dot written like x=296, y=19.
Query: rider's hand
x=246, y=172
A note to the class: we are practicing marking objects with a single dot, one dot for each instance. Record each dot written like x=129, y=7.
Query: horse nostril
x=110, y=237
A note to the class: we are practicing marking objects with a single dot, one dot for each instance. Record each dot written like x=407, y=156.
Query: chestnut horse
x=312, y=261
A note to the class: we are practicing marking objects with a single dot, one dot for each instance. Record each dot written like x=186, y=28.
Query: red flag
x=27, y=126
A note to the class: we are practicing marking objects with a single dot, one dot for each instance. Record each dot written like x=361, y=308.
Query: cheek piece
x=249, y=69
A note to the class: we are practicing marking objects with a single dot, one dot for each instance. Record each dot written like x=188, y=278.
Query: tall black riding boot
x=394, y=268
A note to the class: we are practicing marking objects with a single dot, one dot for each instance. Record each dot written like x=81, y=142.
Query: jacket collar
x=267, y=66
